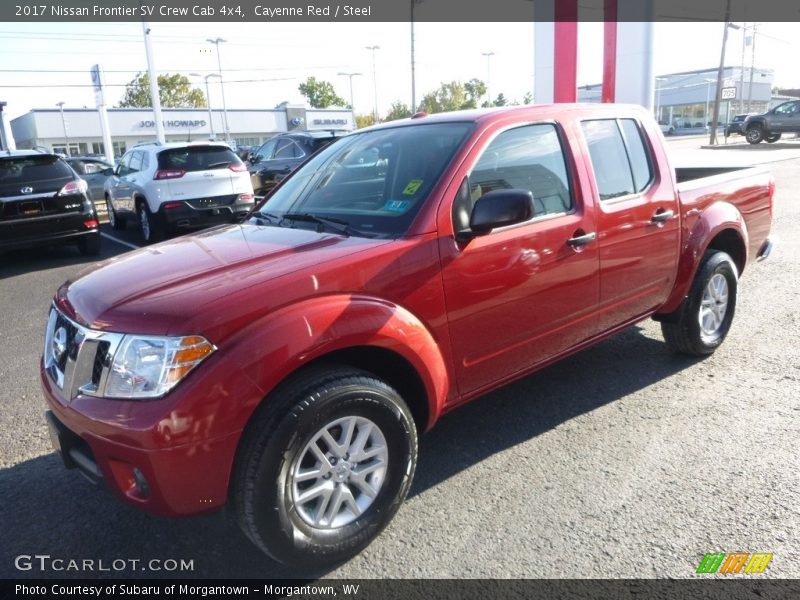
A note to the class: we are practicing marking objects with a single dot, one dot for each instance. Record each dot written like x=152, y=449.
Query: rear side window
x=620, y=161
x=528, y=158
x=33, y=169
x=197, y=158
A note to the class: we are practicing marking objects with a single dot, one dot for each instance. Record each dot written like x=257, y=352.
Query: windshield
x=376, y=181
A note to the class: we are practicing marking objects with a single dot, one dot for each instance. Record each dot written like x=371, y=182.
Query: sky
x=263, y=63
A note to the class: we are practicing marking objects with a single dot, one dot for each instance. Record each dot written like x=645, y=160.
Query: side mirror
x=500, y=208
x=251, y=157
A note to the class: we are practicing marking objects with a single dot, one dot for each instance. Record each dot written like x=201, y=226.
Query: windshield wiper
x=336, y=225
x=265, y=218
x=216, y=165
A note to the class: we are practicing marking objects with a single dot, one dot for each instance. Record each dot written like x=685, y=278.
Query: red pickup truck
x=282, y=367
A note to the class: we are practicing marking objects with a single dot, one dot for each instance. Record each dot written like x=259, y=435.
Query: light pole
x=374, y=79
x=413, y=66
x=216, y=42
x=60, y=105
x=708, y=99
x=352, y=104
x=488, y=56
x=658, y=98
x=208, y=102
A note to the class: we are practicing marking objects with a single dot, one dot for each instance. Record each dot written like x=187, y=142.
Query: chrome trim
x=29, y=197
x=81, y=350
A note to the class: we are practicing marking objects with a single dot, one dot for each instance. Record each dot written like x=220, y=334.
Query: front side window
x=787, y=109
x=266, y=151
x=528, y=158
x=136, y=163
x=375, y=181
x=288, y=149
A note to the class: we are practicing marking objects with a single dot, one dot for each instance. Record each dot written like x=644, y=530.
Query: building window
x=120, y=148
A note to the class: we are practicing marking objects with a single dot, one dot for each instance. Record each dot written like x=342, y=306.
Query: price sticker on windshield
x=412, y=187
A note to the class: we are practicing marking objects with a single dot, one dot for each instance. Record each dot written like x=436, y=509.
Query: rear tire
x=150, y=228
x=772, y=138
x=704, y=317
x=309, y=502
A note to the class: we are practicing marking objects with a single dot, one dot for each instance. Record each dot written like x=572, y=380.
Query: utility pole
x=60, y=106
x=374, y=79
x=712, y=139
x=741, y=69
x=413, y=74
x=752, y=67
x=217, y=42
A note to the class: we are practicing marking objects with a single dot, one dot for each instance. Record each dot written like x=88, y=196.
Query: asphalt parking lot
x=621, y=461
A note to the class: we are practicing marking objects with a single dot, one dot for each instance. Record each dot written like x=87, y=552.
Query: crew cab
x=283, y=366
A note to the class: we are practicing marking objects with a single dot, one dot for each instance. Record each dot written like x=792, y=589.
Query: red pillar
x=565, y=52
x=609, y=51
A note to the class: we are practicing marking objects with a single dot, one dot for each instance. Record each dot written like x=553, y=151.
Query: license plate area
x=29, y=208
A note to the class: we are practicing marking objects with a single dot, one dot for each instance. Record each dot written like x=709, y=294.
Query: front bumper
x=171, y=456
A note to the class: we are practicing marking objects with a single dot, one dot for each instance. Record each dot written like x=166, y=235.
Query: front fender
x=277, y=345
x=697, y=235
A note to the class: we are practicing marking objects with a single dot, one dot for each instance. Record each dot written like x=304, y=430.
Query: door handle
x=581, y=240
x=662, y=216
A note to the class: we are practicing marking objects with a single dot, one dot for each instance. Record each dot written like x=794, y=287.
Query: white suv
x=178, y=186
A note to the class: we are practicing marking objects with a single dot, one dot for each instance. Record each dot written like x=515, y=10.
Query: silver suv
x=178, y=186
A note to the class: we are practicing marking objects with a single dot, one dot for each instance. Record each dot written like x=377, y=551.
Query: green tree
x=501, y=100
x=398, y=110
x=454, y=95
x=365, y=120
x=320, y=94
x=174, y=91
x=283, y=104
x=527, y=98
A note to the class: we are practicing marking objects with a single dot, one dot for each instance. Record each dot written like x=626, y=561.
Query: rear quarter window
x=200, y=158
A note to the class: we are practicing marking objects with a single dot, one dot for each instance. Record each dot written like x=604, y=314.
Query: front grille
x=77, y=359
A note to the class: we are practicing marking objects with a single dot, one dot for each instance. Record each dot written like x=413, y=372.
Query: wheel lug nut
x=333, y=460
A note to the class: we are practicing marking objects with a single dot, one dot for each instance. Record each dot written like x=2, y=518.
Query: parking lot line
x=119, y=241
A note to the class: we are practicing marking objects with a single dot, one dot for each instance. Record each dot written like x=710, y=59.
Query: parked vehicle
x=735, y=126
x=280, y=155
x=94, y=171
x=666, y=127
x=784, y=118
x=43, y=201
x=178, y=186
x=283, y=366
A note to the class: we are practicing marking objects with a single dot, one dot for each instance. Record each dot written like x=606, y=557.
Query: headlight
x=150, y=366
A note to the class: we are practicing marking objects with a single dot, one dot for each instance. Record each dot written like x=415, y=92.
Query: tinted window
x=377, y=181
x=288, y=149
x=609, y=159
x=266, y=151
x=638, y=154
x=32, y=169
x=787, y=108
x=528, y=158
x=197, y=158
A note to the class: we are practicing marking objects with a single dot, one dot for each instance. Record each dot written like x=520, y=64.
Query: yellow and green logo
x=734, y=562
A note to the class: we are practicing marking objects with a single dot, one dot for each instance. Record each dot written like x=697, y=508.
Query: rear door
x=638, y=231
x=520, y=294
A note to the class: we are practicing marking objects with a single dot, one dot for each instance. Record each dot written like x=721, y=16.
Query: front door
x=523, y=293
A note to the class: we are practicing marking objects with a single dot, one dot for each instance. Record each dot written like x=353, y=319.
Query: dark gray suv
x=784, y=118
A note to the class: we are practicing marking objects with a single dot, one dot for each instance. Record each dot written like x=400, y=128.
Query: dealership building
x=686, y=100
x=80, y=128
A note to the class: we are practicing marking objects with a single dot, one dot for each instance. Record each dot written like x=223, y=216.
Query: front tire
x=117, y=223
x=754, y=134
x=324, y=467
x=703, y=320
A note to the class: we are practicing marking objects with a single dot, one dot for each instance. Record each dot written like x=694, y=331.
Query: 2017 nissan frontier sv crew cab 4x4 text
x=283, y=366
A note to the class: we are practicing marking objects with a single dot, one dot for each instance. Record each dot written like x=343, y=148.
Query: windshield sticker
x=397, y=206
x=412, y=187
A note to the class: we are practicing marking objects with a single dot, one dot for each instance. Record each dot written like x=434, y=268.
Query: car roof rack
x=155, y=143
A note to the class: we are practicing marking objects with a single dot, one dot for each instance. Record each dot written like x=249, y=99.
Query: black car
x=43, y=201
x=736, y=125
x=280, y=155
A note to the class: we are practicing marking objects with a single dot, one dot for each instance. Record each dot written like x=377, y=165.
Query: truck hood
x=153, y=289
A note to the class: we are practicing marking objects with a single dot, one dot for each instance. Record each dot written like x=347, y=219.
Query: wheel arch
x=720, y=227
